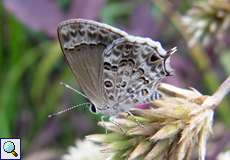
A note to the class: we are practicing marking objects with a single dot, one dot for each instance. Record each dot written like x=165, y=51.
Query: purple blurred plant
x=142, y=22
x=44, y=15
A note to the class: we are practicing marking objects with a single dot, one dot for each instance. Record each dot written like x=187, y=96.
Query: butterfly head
x=111, y=110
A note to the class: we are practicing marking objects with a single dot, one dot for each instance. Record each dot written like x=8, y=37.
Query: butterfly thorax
x=112, y=110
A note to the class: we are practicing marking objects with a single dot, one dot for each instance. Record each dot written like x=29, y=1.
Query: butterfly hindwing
x=132, y=69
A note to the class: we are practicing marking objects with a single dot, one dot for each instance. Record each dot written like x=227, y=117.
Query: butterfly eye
x=93, y=109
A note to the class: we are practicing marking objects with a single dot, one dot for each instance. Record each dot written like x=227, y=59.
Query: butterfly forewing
x=83, y=43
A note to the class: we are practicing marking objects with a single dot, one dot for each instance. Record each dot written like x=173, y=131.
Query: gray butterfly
x=115, y=70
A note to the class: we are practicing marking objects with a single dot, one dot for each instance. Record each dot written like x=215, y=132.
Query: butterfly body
x=114, y=69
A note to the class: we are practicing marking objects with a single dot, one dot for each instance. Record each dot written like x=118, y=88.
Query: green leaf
x=2, y=66
x=115, y=10
x=5, y=130
x=44, y=68
x=17, y=39
x=8, y=91
x=47, y=106
x=224, y=60
x=64, y=4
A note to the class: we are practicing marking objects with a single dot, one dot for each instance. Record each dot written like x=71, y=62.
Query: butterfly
x=115, y=70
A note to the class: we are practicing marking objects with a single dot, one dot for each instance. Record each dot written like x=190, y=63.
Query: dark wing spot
x=92, y=28
x=108, y=84
x=101, y=37
x=102, y=31
x=81, y=32
x=111, y=97
x=114, y=36
x=122, y=63
x=128, y=47
x=144, y=80
x=92, y=35
x=123, y=84
x=131, y=62
x=116, y=53
x=70, y=49
x=127, y=50
x=120, y=47
x=162, y=72
x=66, y=37
x=141, y=71
x=148, y=49
x=153, y=58
x=136, y=47
x=144, y=92
x=73, y=33
x=114, y=68
x=130, y=90
x=126, y=73
x=80, y=26
x=107, y=66
x=78, y=48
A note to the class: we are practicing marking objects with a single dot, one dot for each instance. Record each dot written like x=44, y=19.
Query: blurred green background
x=32, y=65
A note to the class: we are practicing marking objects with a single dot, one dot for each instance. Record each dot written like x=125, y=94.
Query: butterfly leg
x=133, y=118
x=103, y=120
x=111, y=119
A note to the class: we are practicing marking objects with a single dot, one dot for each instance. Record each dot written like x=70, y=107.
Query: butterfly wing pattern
x=115, y=70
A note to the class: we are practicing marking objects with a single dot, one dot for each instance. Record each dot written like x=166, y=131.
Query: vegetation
x=32, y=65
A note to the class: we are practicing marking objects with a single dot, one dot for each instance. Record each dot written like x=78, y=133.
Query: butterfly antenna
x=172, y=51
x=73, y=89
x=112, y=119
x=133, y=118
x=103, y=120
x=67, y=109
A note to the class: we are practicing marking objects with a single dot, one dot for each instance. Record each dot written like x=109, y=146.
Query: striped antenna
x=67, y=109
